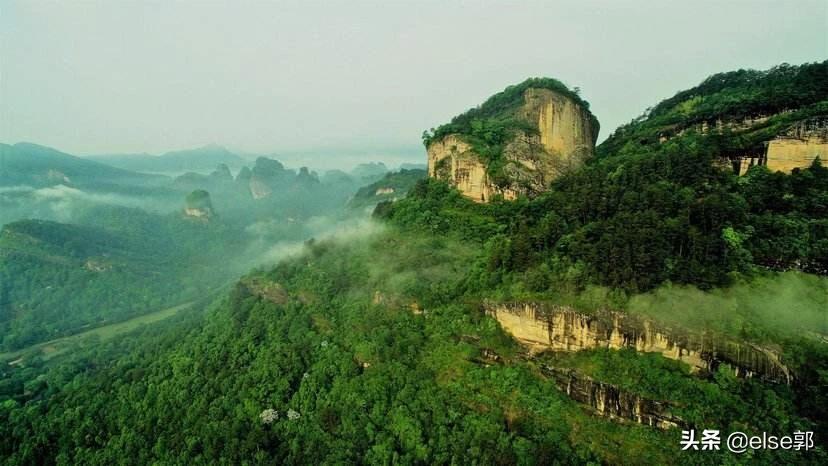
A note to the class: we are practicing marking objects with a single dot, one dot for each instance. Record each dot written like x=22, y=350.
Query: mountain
x=369, y=172
x=776, y=118
x=38, y=166
x=200, y=159
x=655, y=206
x=644, y=291
x=515, y=143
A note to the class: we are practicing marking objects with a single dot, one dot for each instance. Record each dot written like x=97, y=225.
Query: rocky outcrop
x=602, y=398
x=610, y=401
x=799, y=146
x=561, y=137
x=198, y=205
x=546, y=327
x=453, y=160
x=795, y=147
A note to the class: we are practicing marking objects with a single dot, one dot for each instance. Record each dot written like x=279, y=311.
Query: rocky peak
x=516, y=143
x=197, y=205
x=267, y=175
x=222, y=173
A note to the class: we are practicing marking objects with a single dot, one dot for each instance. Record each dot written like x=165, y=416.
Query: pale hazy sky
x=118, y=76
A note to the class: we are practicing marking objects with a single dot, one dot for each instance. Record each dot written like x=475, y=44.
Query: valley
x=56, y=347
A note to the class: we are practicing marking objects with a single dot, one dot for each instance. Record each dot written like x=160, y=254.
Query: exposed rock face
x=565, y=129
x=565, y=137
x=559, y=328
x=453, y=160
x=602, y=398
x=799, y=146
x=608, y=400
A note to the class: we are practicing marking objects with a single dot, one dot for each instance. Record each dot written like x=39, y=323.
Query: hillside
x=57, y=279
x=361, y=352
x=777, y=118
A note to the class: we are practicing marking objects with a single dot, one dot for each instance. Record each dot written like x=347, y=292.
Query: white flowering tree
x=268, y=416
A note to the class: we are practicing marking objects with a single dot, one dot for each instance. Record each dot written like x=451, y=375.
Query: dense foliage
x=636, y=222
x=57, y=279
x=375, y=353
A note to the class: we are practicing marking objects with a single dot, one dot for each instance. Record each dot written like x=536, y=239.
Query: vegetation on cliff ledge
x=499, y=108
x=638, y=221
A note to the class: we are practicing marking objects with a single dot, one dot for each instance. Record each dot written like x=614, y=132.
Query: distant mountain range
x=33, y=165
x=200, y=159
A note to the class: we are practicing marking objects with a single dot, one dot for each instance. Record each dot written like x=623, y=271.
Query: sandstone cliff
x=547, y=134
x=558, y=328
x=612, y=402
x=799, y=146
x=776, y=118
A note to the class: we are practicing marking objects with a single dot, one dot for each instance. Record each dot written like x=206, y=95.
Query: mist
x=789, y=303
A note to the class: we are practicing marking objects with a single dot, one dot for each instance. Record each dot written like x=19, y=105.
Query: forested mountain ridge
x=653, y=210
x=366, y=352
x=777, y=117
